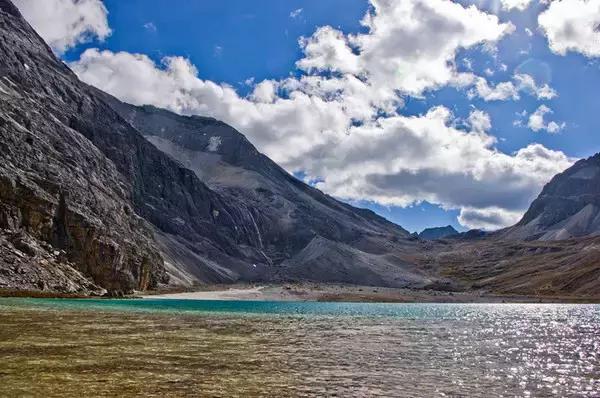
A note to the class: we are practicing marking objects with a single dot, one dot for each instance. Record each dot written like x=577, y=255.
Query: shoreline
x=319, y=292
x=316, y=292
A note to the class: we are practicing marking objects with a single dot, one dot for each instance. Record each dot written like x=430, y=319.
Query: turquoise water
x=307, y=308
x=154, y=347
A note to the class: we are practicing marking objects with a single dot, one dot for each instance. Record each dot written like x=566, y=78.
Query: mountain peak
x=567, y=207
x=438, y=232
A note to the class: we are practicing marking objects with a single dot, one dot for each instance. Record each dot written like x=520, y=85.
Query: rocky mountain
x=302, y=233
x=438, y=233
x=191, y=202
x=568, y=207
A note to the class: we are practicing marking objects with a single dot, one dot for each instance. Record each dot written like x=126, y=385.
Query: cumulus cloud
x=340, y=121
x=527, y=84
x=410, y=46
x=509, y=90
x=479, y=121
x=66, y=23
x=520, y=5
x=501, y=92
x=328, y=49
x=537, y=123
x=572, y=25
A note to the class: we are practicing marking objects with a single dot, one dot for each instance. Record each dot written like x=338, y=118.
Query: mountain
x=568, y=207
x=302, y=233
x=438, y=232
x=553, y=250
x=565, y=268
x=124, y=198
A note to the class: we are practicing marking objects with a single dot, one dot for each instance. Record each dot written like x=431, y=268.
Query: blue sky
x=215, y=36
x=234, y=41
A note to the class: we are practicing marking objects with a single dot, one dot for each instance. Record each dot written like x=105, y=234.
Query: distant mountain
x=568, y=207
x=438, y=232
x=138, y=197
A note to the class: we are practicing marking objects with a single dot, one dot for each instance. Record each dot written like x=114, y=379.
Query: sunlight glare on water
x=228, y=348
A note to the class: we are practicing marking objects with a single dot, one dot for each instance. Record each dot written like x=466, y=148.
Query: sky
x=429, y=112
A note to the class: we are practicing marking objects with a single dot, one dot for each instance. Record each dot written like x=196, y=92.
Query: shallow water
x=217, y=348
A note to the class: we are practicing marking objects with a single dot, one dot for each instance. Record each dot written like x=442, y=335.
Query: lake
x=151, y=347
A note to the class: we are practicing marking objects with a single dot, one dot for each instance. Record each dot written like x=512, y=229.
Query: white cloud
x=509, y=90
x=327, y=49
x=501, y=92
x=344, y=128
x=537, y=123
x=526, y=83
x=572, y=25
x=479, y=121
x=411, y=45
x=468, y=63
x=150, y=27
x=520, y=5
x=296, y=13
x=66, y=23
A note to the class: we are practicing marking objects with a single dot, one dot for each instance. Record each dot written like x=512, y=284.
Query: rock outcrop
x=30, y=264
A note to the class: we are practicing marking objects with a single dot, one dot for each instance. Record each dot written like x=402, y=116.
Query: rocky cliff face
x=568, y=207
x=55, y=184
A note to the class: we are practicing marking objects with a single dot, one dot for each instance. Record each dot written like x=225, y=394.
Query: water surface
x=57, y=347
